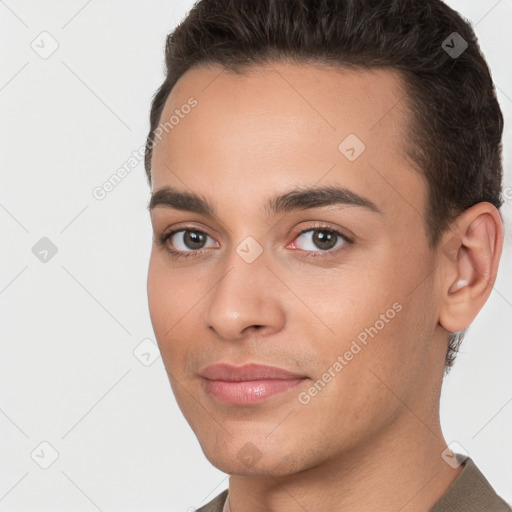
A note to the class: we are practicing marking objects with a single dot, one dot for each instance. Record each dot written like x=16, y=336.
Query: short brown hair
x=455, y=136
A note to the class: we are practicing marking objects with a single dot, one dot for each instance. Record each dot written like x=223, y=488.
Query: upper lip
x=231, y=373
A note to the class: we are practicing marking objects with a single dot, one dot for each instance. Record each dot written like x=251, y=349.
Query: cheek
x=367, y=315
x=172, y=302
x=167, y=302
x=157, y=296
x=349, y=301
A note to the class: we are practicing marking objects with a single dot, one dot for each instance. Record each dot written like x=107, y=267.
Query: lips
x=231, y=373
x=248, y=384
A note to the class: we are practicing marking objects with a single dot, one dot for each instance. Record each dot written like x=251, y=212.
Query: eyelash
x=162, y=241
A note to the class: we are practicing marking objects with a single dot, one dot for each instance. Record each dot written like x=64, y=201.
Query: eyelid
x=318, y=226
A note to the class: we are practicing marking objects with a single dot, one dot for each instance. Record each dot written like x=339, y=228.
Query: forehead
x=283, y=124
x=343, y=84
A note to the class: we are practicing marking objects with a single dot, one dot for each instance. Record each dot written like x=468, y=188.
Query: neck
x=401, y=470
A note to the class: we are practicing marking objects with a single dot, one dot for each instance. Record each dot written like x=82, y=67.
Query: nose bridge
x=245, y=295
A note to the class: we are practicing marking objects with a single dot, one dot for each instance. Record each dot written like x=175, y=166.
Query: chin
x=231, y=465
x=242, y=457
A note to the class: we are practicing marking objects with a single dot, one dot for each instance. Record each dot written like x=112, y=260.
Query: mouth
x=249, y=384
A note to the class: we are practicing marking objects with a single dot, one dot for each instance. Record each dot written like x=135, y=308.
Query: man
x=326, y=179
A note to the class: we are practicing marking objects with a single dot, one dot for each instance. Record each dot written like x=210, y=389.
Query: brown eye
x=320, y=239
x=193, y=240
x=186, y=242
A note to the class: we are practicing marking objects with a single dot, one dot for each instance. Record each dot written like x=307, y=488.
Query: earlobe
x=470, y=262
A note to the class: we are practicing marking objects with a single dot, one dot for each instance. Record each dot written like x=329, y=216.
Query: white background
x=69, y=326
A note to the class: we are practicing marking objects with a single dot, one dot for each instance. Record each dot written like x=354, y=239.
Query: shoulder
x=216, y=505
x=471, y=492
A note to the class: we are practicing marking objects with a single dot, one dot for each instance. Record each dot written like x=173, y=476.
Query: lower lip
x=250, y=391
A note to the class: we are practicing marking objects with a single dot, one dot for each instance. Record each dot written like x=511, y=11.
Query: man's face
x=354, y=321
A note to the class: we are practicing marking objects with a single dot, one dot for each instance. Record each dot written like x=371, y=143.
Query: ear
x=469, y=259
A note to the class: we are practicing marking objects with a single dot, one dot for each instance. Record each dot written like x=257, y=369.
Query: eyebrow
x=293, y=200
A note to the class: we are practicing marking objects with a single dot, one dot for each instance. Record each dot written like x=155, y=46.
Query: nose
x=248, y=298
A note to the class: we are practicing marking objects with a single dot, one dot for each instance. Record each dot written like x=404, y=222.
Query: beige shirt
x=470, y=492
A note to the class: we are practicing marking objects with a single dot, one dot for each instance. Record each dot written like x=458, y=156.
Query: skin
x=371, y=438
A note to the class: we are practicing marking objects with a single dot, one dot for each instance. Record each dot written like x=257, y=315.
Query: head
x=353, y=120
